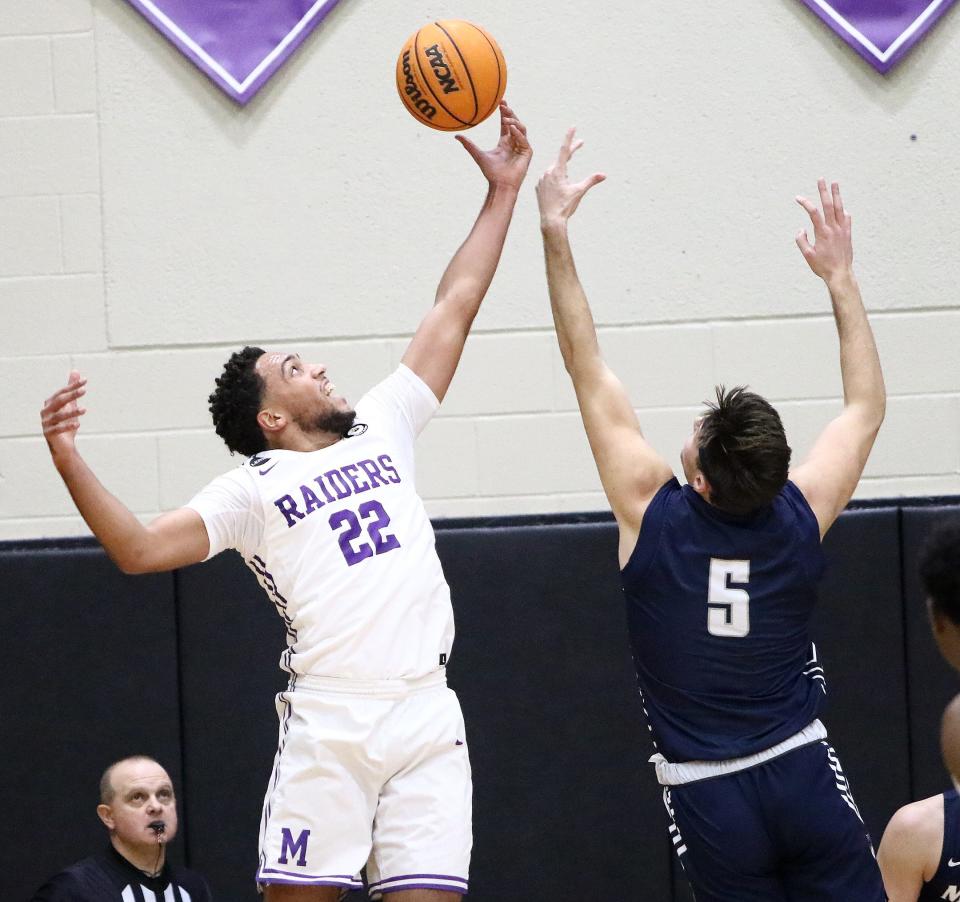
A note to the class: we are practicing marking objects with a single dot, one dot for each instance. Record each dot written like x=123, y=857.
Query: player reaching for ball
x=372, y=767
x=720, y=581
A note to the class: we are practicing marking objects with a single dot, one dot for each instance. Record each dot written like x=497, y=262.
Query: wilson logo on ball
x=451, y=75
x=417, y=99
x=440, y=69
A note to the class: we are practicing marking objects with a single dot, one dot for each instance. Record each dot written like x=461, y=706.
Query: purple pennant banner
x=239, y=44
x=881, y=31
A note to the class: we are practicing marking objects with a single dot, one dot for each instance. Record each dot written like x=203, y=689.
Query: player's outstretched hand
x=831, y=254
x=557, y=196
x=61, y=414
x=505, y=165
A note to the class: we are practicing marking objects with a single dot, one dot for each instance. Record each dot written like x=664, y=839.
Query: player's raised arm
x=435, y=350
x=832, y=469
x=174, y=539
x=630, y=470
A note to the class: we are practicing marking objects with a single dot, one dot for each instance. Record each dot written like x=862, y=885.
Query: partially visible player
x=950, y=741
x=940, y=575
x=372, y=766
x=720, y=580
x=919, y=854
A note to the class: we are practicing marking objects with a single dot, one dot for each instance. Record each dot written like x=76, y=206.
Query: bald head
x=950, y=738
x=108, y=788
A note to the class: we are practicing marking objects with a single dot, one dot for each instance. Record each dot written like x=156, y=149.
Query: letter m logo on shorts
x=288, y=846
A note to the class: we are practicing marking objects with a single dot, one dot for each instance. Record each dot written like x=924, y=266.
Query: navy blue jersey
x=946, y=881
x=718, y=607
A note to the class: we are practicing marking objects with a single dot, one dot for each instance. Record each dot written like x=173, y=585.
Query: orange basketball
x=451, y=75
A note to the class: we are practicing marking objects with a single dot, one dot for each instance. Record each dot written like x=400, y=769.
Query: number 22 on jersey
x=728, y=608
x=376, y=520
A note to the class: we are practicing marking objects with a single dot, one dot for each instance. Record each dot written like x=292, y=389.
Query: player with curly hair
x=939, y=568
x=372, y=767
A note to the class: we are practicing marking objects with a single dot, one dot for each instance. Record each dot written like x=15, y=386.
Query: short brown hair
x=743, y=450
x=107, y=792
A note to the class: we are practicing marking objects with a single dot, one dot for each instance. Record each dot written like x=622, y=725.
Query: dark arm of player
x=829, y=474
x=630, y=470
x=435, y=350
x=174, y=539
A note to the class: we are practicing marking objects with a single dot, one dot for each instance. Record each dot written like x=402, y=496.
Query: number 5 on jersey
x=728, y=609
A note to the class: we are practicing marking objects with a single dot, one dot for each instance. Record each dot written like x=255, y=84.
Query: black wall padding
x=96, y=665
x=565, y=805
x=858, y=629
x=230, y=639
x=932, y=683
x=88, y=670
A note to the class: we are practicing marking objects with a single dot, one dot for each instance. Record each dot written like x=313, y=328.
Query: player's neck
x=149, y=859
x=300, y=440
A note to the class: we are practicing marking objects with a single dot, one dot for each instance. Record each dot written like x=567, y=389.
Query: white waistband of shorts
x=375, y=688
x=691, y=771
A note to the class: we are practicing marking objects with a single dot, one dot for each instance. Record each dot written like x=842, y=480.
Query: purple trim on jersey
x=275, y=776
x=349, y=882
x=449, y=877
x=404, y=887
x=259, y=567
x=443, y=887
x=418, y=881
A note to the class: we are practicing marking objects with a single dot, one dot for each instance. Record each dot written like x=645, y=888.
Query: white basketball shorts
x=369, y=773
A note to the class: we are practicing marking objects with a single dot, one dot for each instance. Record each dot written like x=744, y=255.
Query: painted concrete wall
x=148, y=226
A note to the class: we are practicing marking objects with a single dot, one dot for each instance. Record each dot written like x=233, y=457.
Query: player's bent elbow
x=878, y=412
x=583, y=364
x=462, y=298
x=131, y=565
x=134, y=561
x=869, y=416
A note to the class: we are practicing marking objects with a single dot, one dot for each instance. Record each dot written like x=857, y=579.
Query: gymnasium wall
x=95, y=665
x=148, y=226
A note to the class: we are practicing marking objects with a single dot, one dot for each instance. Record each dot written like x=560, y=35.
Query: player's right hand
x=61, y=414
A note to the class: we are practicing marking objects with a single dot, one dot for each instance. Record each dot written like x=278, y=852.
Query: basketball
x=451, y=75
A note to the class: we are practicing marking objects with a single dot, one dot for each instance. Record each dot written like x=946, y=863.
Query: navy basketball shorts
x=787, y=829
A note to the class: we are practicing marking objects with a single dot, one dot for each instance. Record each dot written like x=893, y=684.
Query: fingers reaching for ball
x=513, y=129
x=506, y=164
x=557, y=197
x=571, y=144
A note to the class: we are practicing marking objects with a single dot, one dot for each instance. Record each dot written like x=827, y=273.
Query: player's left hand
x=831, y=256
x=505, y=165
x=557, y=196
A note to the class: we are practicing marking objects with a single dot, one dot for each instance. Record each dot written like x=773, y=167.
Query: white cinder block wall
x=148, y=226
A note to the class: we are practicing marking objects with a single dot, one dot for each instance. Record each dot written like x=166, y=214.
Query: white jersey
x=342, y=544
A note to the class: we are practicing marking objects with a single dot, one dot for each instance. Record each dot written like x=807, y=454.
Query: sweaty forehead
x=270, y=362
